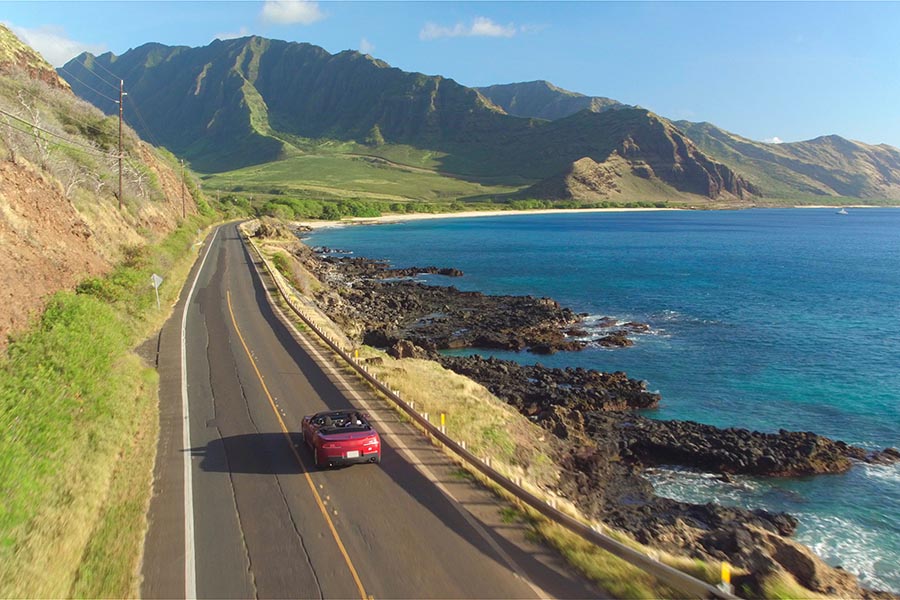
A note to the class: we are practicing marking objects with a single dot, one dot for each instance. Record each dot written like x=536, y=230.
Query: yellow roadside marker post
x=726, y=586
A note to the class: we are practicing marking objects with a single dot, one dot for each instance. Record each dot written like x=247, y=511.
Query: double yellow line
x=284, y=430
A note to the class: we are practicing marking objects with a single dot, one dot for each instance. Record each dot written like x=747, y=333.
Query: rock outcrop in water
x=735, y=451
x=386, y=307
x=553, y=397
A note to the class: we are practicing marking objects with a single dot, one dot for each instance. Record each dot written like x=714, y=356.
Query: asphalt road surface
x=261, y=521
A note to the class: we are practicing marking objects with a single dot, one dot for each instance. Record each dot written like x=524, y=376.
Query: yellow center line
x=284, y=430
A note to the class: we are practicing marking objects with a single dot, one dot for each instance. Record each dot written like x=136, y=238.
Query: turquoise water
x=763, y=319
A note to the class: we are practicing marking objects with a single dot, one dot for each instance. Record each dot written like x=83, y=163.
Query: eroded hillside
x=60, y=219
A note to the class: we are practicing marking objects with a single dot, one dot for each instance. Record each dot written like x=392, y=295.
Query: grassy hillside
x=350, y=177
x=75, y=475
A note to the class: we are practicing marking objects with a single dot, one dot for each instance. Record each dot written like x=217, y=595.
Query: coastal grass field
x=79, y=412
x=331, y=179
x=333, y=176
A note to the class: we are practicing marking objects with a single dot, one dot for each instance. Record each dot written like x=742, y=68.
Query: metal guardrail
x=687, y=584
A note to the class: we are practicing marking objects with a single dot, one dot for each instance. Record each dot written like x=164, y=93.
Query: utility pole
x=182, y=189
x=122, y=95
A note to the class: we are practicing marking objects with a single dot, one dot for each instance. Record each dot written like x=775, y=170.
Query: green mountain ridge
x=543, y=100
x=250, y=101
x=824, y=166
x=827, y=166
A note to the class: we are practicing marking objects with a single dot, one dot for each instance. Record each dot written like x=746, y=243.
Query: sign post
x=155, y=281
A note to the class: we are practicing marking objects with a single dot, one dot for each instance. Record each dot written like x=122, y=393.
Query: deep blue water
x=763, y=319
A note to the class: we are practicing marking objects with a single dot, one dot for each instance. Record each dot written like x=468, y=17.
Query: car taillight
x=331, y=445
x=372, y=441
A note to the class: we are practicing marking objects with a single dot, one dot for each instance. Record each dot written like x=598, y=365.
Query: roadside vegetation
x=78, y=412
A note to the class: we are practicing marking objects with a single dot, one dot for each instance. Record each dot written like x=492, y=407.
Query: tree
x=375, y=138
x=12, y=138
x=43, y=146
x=73, y=176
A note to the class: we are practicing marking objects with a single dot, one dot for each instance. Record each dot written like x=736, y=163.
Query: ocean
x=764, y=319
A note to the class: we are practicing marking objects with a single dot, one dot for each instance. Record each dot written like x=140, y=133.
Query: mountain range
x=253, y=101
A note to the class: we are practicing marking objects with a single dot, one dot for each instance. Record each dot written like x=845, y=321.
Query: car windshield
x=333, y=423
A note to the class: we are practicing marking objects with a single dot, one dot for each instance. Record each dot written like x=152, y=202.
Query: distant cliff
x=543, y=100
x=823, y=167
x=649, y=149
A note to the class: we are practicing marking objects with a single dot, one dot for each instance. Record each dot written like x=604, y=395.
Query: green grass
x=335, y=177
x=78, y=416
x=65, y=390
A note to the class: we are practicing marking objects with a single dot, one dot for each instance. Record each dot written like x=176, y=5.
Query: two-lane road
x=264, y=522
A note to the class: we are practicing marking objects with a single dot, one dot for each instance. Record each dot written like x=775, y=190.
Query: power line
x=65, y=139
x=68, y=115
x=94, y=73
x=96, y=91
x=133, y=104
x=114, y=76
x=32, y=134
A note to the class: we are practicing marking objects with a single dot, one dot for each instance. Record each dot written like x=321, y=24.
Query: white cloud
x=53, y=44
x=242, y=32
x=366, y=47
x=480, y=27
x=773, y=140
x=289, y=12
x=530, y=29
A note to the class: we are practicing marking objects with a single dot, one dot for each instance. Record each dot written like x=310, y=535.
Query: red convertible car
x=341, y=437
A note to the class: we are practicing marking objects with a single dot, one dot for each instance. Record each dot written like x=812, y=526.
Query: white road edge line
x=190, y=564
x=408, y=454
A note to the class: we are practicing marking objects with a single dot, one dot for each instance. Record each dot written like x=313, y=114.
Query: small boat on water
x=843, y=211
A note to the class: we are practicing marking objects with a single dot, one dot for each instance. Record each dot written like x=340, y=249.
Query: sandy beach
x=463, y=215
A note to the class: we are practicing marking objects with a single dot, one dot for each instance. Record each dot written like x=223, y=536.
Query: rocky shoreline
x=605, y=445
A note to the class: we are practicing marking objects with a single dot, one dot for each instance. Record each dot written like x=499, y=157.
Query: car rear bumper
x=340, y=460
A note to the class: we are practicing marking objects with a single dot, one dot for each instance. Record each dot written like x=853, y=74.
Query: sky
x=769, y=71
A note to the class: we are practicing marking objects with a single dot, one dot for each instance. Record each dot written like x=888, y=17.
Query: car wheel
x=319, y=464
